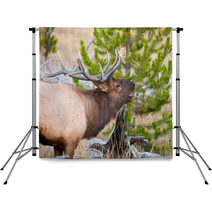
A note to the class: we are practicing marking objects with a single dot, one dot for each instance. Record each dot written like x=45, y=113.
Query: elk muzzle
x=132, y=88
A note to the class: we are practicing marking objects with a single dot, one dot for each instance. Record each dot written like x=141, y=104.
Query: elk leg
x=69, y=151
x=58, y=151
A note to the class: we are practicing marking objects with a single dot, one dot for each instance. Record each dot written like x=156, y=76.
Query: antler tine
x=63, y=71
x=113, y=63
x=102, y=75
x=48, y=61
x=91, y=78
x=61, y=63
x=75, y=64
x=105, y=68
x=114, y=67
x=78, y=74
x=117, y=65
x=108, y=63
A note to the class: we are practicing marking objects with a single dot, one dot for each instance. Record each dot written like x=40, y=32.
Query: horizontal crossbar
x=26, y=149
x=23, y=150
x=189, y=150
x=187, y=154
x=21, y=156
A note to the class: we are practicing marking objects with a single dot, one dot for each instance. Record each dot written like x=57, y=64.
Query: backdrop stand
x=188, y=152
x=33, y=127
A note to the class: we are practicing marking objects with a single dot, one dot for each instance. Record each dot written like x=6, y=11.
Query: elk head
x=117, y=90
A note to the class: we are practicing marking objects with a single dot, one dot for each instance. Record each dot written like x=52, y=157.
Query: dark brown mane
x=100, y=110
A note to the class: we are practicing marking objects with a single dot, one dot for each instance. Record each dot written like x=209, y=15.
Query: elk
x=69, y=114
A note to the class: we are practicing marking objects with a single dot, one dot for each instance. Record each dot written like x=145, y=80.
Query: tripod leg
x=196, y=150
x=16, y=149
x=193, y=157
x=206, y=182
x=18, y=157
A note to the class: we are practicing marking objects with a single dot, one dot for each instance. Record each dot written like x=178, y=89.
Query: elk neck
x=100, y=109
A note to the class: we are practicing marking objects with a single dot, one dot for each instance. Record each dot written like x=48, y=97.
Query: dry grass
x=68, y=43
x=45, y=151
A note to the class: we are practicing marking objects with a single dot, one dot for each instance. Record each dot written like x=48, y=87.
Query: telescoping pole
x=33, y=91
x=178, y=92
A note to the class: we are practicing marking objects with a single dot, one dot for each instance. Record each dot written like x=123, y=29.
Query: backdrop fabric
x=105, y=93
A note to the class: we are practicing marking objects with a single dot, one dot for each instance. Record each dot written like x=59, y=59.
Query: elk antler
x=81, y=73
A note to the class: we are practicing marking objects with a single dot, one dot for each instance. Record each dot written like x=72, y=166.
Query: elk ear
x=102, y=86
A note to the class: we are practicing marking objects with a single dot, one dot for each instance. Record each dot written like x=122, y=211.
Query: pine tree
x=145, y=50
x=47, y=41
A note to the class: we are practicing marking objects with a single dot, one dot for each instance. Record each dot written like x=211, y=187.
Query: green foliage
x=47, y=41
x=163, y=150
x=144, y=53
x=158, y=125
x=76, y=82
x=108, y=131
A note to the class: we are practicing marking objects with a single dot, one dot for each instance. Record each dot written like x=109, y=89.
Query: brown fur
x=68, y=113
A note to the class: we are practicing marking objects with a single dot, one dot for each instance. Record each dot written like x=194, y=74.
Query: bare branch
x=90, y=42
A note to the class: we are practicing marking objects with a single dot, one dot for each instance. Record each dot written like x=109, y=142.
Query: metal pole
x=178, y=93
x=33, y=92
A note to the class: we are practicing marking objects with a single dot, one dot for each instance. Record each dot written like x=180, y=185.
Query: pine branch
x=132, y=41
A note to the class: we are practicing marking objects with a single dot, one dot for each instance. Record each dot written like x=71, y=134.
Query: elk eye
x=117, y=86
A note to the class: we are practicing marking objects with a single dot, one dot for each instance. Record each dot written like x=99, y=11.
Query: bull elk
x=69, y=114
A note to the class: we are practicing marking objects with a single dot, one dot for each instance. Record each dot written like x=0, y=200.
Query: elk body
x=69, y=114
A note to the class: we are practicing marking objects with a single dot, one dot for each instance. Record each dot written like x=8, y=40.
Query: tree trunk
x=116, y=145
x=119, y=144
x=48, y=43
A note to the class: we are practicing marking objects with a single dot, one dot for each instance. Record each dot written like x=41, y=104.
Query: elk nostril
x=132, y=83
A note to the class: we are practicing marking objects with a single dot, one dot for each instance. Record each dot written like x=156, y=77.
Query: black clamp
x=176, y=127
x=179, y=29
x=35, y=127
x=33, y=29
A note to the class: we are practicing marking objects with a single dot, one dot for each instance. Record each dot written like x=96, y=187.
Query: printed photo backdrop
x=105, y=92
